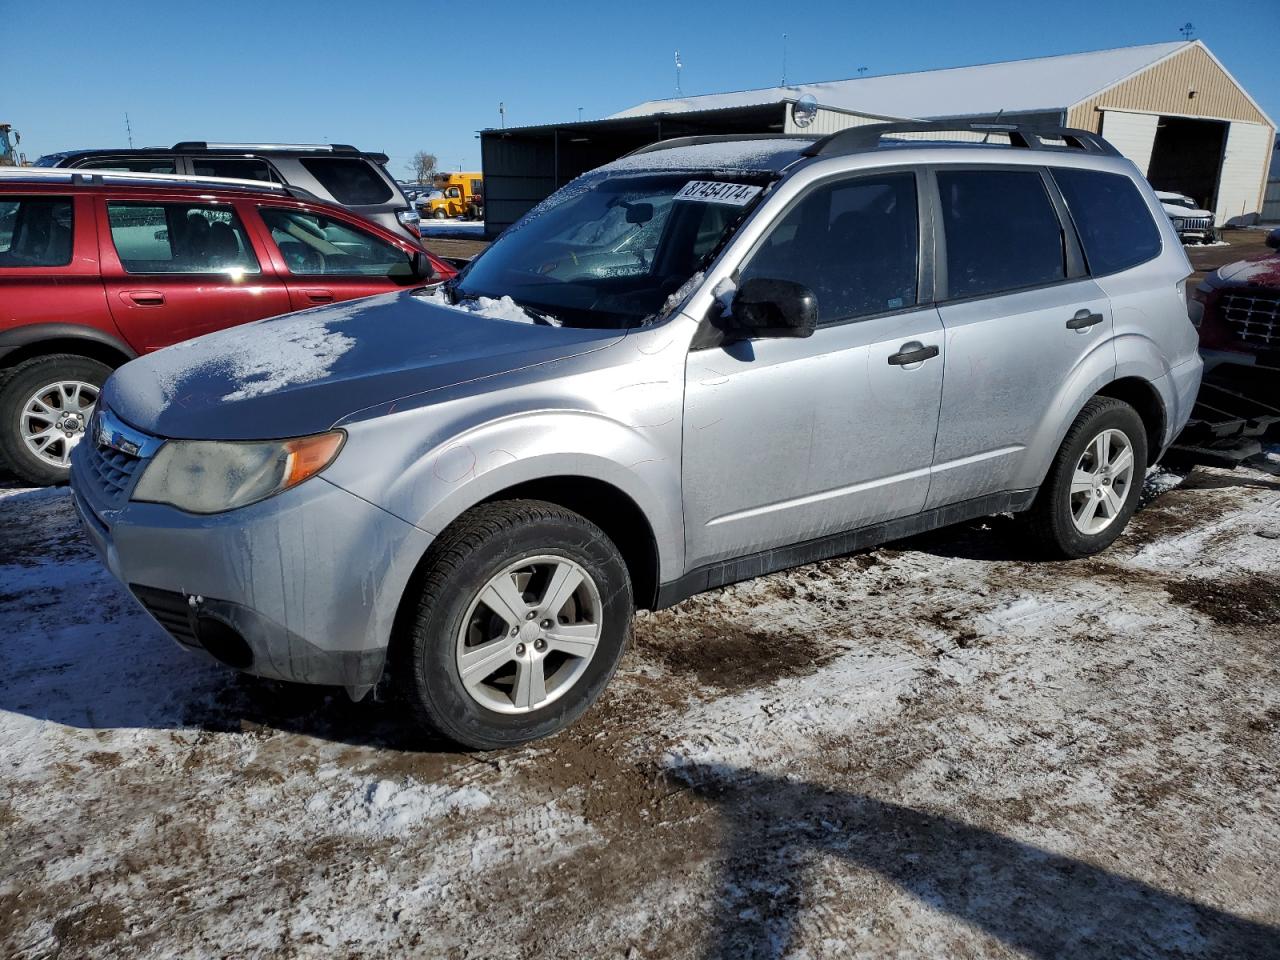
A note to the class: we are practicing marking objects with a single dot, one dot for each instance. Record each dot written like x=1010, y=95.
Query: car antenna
x=999, y=114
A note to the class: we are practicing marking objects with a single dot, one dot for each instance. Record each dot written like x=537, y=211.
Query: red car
x=96, y=269
x=1237, y=309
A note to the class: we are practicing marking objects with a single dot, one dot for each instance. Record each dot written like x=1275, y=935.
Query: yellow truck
x=454, y=195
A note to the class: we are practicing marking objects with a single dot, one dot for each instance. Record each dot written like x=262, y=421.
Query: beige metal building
x=1172, y=108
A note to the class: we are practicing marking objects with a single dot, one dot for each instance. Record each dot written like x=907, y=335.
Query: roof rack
x=265, y=147
x=92, y=178
x=1021, y=135
x=713, y=138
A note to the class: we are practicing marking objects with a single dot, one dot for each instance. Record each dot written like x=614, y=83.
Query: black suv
x=337, y=172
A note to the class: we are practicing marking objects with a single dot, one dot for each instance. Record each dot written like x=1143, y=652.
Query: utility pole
x=128, y=130
x=502, y=114
x=861, y=71
x=1188, y=30
x=579, y=114
x=679, y=66
x=784, y=59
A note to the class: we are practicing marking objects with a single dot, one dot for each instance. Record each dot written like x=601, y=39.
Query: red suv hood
x=1258, y=272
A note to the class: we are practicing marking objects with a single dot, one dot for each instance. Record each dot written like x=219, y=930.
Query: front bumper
x=303, y=586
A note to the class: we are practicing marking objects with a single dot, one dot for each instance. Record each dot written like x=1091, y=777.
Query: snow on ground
x=940, y=748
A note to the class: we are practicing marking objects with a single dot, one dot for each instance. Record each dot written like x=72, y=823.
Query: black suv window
x=130, y=164
x=1002, y=231
x=349, y=180
x=180, y=238
x=854, y=243
x=35, y=231
x=243, y=168
x=1113, y=220
x=315, y=245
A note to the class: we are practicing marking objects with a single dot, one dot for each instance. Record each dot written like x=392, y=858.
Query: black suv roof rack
x=1021, y=135
x=714, y=138
x=266, y=147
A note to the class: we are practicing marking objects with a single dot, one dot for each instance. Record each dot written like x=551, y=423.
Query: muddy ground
x=940, y=748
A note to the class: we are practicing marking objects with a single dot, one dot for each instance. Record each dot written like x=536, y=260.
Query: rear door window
x=242, y=168
x=1002, y=232
x=315, y=245
x=35, y=231
x=131, y=164
x=854, y=243
x=180, y=238
x=349, y=180
x=1112, y=218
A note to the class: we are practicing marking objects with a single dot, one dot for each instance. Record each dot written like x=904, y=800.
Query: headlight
x=210, y=476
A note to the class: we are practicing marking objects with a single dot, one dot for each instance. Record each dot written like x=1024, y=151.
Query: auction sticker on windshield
x=712, y=191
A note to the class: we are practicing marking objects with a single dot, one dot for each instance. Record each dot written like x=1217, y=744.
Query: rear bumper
x=1178, y=389
x=304, y=586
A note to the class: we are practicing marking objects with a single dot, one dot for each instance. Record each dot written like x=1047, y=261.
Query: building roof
x=1016, y=86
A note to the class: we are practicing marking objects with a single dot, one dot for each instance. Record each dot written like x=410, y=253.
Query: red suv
x=96, y=269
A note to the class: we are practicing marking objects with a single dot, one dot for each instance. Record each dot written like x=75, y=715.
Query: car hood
x=1258, y=272
x=1184, y=213
x=300, y=373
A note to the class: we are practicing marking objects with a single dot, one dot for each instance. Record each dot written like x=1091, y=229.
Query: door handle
x=1083, y=320
x=913, y=352
x=143, y=298
x=318, y=295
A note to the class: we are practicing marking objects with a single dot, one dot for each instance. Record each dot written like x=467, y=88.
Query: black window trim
x=190, y=159
x=94, y=161
x=1075, y=229
x=1073, y=254
x=925, y=267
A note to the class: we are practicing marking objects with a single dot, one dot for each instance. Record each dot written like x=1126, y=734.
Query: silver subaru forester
x=708, y=360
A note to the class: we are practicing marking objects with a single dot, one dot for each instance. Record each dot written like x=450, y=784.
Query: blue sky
x=420, y=75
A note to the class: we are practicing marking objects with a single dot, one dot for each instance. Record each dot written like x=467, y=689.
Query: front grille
x=1194, y=223
x=1254, y=316
x=113, y=471
x=171, y=610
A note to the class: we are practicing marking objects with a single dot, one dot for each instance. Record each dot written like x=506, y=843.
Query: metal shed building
x=1172, y=108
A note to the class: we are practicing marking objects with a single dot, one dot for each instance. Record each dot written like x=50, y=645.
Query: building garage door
x=1244, y=164
x=1133, y=134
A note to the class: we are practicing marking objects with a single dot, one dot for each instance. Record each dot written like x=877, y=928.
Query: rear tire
x=1094, y=483
x=543, y=596
x=441, y=213
x=57, y=394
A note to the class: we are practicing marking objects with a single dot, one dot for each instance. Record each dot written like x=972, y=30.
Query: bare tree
x=423, y=166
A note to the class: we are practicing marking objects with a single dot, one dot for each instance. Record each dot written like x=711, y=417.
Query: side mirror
x=420, y=266
x=773, y=308
x=1273, y=239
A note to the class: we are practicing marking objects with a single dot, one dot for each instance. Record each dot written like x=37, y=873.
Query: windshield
x=611, y=249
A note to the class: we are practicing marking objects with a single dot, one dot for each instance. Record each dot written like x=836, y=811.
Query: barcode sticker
x=713, y=191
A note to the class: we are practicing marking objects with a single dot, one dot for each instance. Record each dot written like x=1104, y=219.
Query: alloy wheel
x=529, y=634
x=54, y=419
x=1101, y=482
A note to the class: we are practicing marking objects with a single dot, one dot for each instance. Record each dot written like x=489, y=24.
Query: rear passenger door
x=326, y=258
x=176, y=269
x=1021, y=318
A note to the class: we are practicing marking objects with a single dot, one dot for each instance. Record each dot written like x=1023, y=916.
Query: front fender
x=448, y=478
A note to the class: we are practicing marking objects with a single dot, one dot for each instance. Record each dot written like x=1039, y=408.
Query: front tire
x=1092, y=488
x=523, y=610
x=441, y=213
x=45, y=405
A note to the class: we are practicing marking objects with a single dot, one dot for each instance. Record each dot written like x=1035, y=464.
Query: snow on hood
x=1186, y=213
x=301, y=373
x=1260, y=272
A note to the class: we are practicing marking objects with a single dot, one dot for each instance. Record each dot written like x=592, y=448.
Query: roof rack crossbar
x=1021, y=135
x=675, y=142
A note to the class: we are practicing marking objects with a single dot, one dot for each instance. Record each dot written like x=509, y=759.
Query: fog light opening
x=223, y=643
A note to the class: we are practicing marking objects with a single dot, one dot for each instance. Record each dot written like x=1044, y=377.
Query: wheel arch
x=1146, y=400
x=41, y=340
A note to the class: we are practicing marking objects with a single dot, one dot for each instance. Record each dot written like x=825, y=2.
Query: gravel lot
x=940, y=748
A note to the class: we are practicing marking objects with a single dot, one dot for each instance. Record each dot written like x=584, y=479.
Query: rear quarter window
x=350, y=180
x=1111, y=217
x=35, y=231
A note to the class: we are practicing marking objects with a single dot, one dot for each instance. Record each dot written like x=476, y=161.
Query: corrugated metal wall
x=1165, y=89
x=1271, y=202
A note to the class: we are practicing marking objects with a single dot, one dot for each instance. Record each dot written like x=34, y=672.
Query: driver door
x=326, y=259
x=789, y=440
